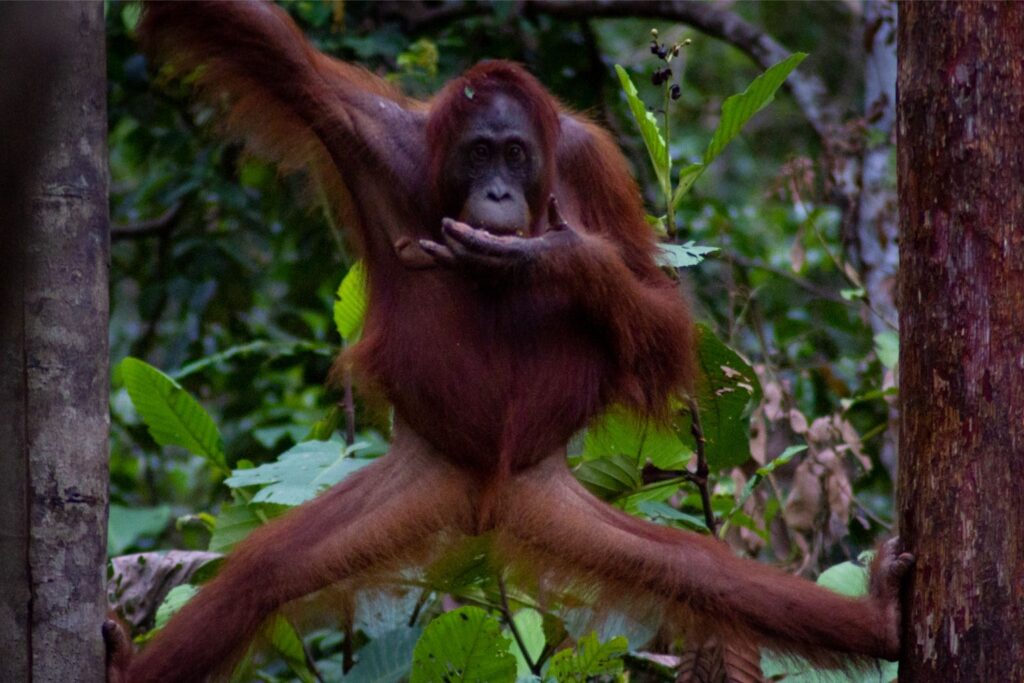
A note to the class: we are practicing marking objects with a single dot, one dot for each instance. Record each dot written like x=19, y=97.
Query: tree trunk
x=53, y=342
x=961, y=295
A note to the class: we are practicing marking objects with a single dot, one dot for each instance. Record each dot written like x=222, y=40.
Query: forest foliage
x=231, y=293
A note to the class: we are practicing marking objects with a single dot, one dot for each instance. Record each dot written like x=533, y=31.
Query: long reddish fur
x=489, y=381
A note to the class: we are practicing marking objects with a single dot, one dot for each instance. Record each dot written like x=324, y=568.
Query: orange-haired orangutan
x=514, y=296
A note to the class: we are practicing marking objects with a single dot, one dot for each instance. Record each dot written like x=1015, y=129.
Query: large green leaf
x=126, y=525
x=385, y=659
x=235, y=522
x=172, y=416
x=726, y=389
x=530, y=626
x=650, y=132
x=611, y=476
x=351, y=302
x=464, y=645
x=619, y=432
x=682, y=255
x=846, y=578
x=300, y=473
x=738, y=109
x=174, y=601
x=588, y=660
x=287, y=643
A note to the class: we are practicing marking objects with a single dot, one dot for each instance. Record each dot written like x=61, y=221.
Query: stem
x=507, y=613
x=349, y=408
x=670, y=218
x=700, y=477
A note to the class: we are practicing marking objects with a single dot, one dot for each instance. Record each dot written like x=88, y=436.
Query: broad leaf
x=174, y=601
x=887, y=346
x=726, y=388
x=649, y=131
x=350, y=306
x=610, y=477
x=126, y=525
x=682, y=255
x=464, y=645
x=235, y=522
x=619, y=432
x=661, y=510
x=530, y=626
x=846, y=578
x=172, y=416
x=588, y=660
x=288, y=645
x=385, y=659
x=738, y=109
x=300, y=473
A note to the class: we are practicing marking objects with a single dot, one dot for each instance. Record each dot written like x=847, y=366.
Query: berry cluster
x=664, y=53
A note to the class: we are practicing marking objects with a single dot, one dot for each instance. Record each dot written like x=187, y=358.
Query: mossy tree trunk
x=961, y=298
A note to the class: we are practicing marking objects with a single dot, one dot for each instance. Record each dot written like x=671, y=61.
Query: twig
x=310, y=662
x=507, y=613
x=700, y=477
x=420, y=602
x=165, y=222
x=348, y=406
x=807, y=90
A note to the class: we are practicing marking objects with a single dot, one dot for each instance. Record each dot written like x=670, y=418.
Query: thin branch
x=700, y=477
x=807, y=90
x=803, y=283
x=310, y=662
x=348, y=407
x=507, y=613
x=153, y=227
x=712, y=20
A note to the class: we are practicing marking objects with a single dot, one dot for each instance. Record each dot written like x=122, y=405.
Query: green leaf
x=234, y=523
x=288, y=645
x=530, y=625
x=619, y=432
x=649, y=131
x=846, y=578
x=385, y=659
x=726, y=389
x=656, y=509
x=738, y=109
x=610, y=477
x=887, y=346
x=852, y=294
x=175, y=600
x=126, y=525
x=300, y=473
x=172, y=416
x=589, y=659
x=682, y=255
x=687, y=177
x=350, y=306
x=464, y=645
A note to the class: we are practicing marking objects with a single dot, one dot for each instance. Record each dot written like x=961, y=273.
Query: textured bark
x=53, y=346
x=961, y=295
